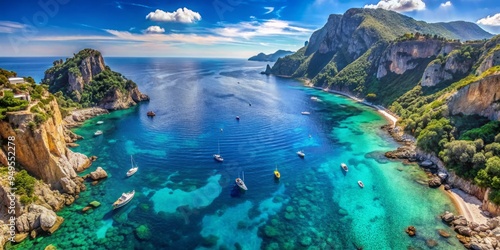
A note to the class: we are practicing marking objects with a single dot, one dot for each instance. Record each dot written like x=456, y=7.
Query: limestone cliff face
x=399, y=56
x=42, y=151
x=478, y=98
x=490, y=56
x=438, y=72
x=91, y=66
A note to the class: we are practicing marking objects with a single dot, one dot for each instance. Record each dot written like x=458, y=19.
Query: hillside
x=345, y=38
x=270, y=57
x=85, y=81
x=446, y=92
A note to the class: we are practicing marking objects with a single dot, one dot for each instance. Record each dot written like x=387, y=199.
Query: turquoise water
x=186, y=200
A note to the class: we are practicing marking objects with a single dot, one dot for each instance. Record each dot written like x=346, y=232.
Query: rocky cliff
x=42, y=150
x=401, y=56
x=345, y=38
x=478, y=98
x=85, y=79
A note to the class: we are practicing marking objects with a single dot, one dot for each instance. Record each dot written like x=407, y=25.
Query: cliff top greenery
x=391, y=25
x=38, y=94
x=101, y=85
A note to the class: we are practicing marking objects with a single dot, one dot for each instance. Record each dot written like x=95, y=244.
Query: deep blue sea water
x=186, y=200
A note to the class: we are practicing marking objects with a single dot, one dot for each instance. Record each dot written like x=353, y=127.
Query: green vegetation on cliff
x=85, y=81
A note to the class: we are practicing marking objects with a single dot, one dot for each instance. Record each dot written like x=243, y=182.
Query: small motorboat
x=237, y=118
x=249, y=104
x=301, y=154
x=305, y=113
x=100, y=122
x=314, y=98
x=276, y=173
x=151, y=113
x=241, y=184
x=124, y=199
x=98, y=132
x=344, y=167
x=360, y=183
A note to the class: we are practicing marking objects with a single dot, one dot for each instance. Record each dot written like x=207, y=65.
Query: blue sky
x=201, y=28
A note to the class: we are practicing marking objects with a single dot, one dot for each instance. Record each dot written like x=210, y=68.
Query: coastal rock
x=435, y=182
x=447, y=217
x=463, y=230
x=36, y=217
x=68, y=185
x=442, y=175
x=443, y=233
x=459, y=221
x=403, y=152
x=426, y=164
x=411, y=231
x=493, y=223
x=45, y=144
x=77, y=117
x=98, y=174
x=57, y=224
x=20, y=237
x=95, y=204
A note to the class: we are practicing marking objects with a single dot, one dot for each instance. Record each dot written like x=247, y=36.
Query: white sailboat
x=134, y=168
x=217, y=156
x=241, y=183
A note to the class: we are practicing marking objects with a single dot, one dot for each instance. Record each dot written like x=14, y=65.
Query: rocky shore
x=466, y=196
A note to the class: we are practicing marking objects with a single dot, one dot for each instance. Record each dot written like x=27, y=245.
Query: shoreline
x=465, y=204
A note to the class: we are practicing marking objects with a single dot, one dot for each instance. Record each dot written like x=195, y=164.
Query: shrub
x=24, y=183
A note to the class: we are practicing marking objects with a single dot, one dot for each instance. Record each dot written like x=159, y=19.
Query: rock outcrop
x=474, y=235
x=401, y=56
x=478, y=98
x=42, y=151
x=98, y=174
x=454, y=64
x=88, y=67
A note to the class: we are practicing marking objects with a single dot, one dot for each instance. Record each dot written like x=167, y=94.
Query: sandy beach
x=468, y=206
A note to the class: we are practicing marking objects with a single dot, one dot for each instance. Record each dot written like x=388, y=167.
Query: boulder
x=411, y=231
x=426, y=164
x=403, y=152
x=442, y=175
x=68, y=185
x=464, y=230
x=447, y=217
x=493, y=223
x=459, y=221
x=443, y=233
x=57, y=224
x=434, y=182
x=47, y=220
x=85, y=209
x=482, y=228
x=98, y=174
x=20, y=237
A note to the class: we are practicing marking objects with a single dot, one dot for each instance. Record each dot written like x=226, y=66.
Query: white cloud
x=10, y=27
x=490, y=20
x=251, y=29
x=446, y=4
x=269, y=10
x=181, y=15
x=398, y=5
x=154, y=29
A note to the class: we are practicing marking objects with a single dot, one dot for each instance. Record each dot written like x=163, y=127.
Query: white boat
x=360, y=183
x=98, y=132
x=134, y=168
x=237, y=117
x=301, y=153
x=100, y=122
x=217, y=156
x=124, y=199
x=241, y=184
x=344, y=167
x=314, y=98
x=305, y=113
